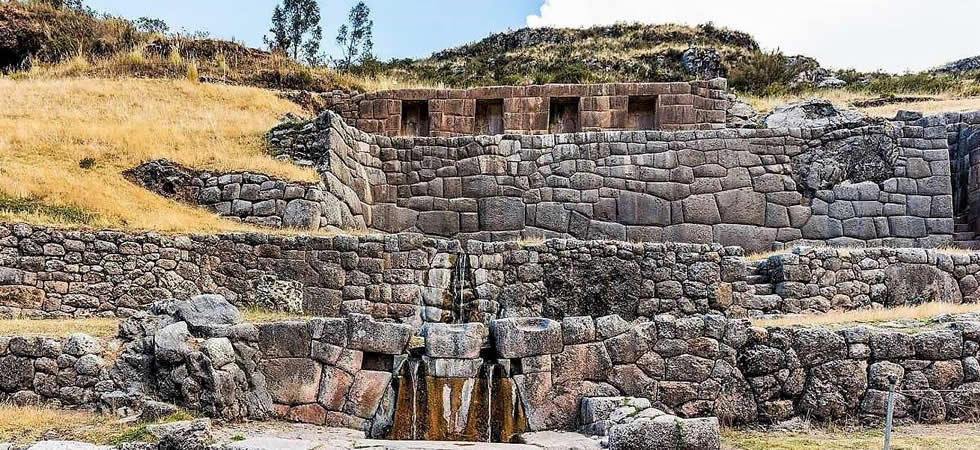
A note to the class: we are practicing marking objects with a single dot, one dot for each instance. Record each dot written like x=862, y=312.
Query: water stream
x=461, y=272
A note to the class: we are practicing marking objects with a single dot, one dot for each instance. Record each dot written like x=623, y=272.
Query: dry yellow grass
x=258, y=315
x=922, y=311
x=931, y=107
x=845, y=98
x=25, y=424
x=964, y=436
x=95, y=326
x=48, y=126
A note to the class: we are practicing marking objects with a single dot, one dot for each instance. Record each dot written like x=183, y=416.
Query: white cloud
x=893, y=35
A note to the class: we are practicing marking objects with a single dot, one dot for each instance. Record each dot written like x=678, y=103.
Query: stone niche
x=563, y=115
x=490, y=117
x=642, y=112
x=415, y=118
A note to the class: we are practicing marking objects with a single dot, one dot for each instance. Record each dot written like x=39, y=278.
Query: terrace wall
x=873, y=185
x=47, y=272
x=601, y=107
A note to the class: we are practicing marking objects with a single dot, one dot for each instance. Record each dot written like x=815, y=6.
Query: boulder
x=668, y=433
x=913, y=284
x=207, y=311
x=184, y=435
x=170, y=344
x=812, y=113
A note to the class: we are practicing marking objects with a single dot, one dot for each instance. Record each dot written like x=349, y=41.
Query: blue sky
x=402, y=28
x=894, y=35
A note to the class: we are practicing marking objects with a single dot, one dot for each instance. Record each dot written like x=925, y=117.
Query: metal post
x=892, y=380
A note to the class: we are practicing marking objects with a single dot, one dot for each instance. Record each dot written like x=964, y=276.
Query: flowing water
x=458, y=409
x=461, y=272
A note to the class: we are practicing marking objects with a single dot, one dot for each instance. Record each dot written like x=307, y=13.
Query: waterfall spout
x=489, y=369
x=461, y=272
x=413, y=366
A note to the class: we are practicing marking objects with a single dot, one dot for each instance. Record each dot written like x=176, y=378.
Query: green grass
x=34, y=206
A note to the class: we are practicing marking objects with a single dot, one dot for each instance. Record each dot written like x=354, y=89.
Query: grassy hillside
x=48, y=127
x=623, y=52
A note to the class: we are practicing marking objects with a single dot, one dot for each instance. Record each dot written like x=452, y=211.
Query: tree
x=151, y=25
x=296, y=29
x=355, y=37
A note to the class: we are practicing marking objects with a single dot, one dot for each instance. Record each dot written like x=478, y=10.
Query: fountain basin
x=520, y=337
x=459, y=341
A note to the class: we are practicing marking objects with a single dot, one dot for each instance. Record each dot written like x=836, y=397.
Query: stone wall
x=324, y=372
x=525, y=109
x=358, y=372
x=824, y=279
x=246, y=197
x=963, y=131
x=68, y=372
x=871, y=185
x=47, y=272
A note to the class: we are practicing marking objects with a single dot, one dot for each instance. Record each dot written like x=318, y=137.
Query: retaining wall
x=694, y=367
x=824, y=279
x=872, y=185
x=527, y=109
x=246, y=197
x=69, y=372
x=47, y=272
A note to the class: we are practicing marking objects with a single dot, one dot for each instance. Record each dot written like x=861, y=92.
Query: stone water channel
x=454, y=388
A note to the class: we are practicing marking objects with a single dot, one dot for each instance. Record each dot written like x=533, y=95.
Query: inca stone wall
x=354, y=371
x=824, y=279
x=68, y=372
x=47, y=272
x=874, y=185
x=246, y=197
x=526, y=109
x=322, y=372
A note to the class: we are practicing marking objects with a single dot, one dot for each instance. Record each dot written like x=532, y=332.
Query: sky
x=892, y=35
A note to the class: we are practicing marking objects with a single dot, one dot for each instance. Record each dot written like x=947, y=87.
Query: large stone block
x=369, y=335
x=522, y=336
x=292, y=381
x=393, y=219
x=442, y=223
x=464, y=341
x=501, y=213
x=634, y=208
x=334, y=385
x=26, y=297
x=666, y=433
x=285, y=339
x=366, y=392
x=301, y=214
x=701, y=209
x=742, y=206
x=581, y=362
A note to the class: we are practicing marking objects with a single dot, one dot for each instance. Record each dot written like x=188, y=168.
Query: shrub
x=763, y=72
x=192, y=74
x=87, y=162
